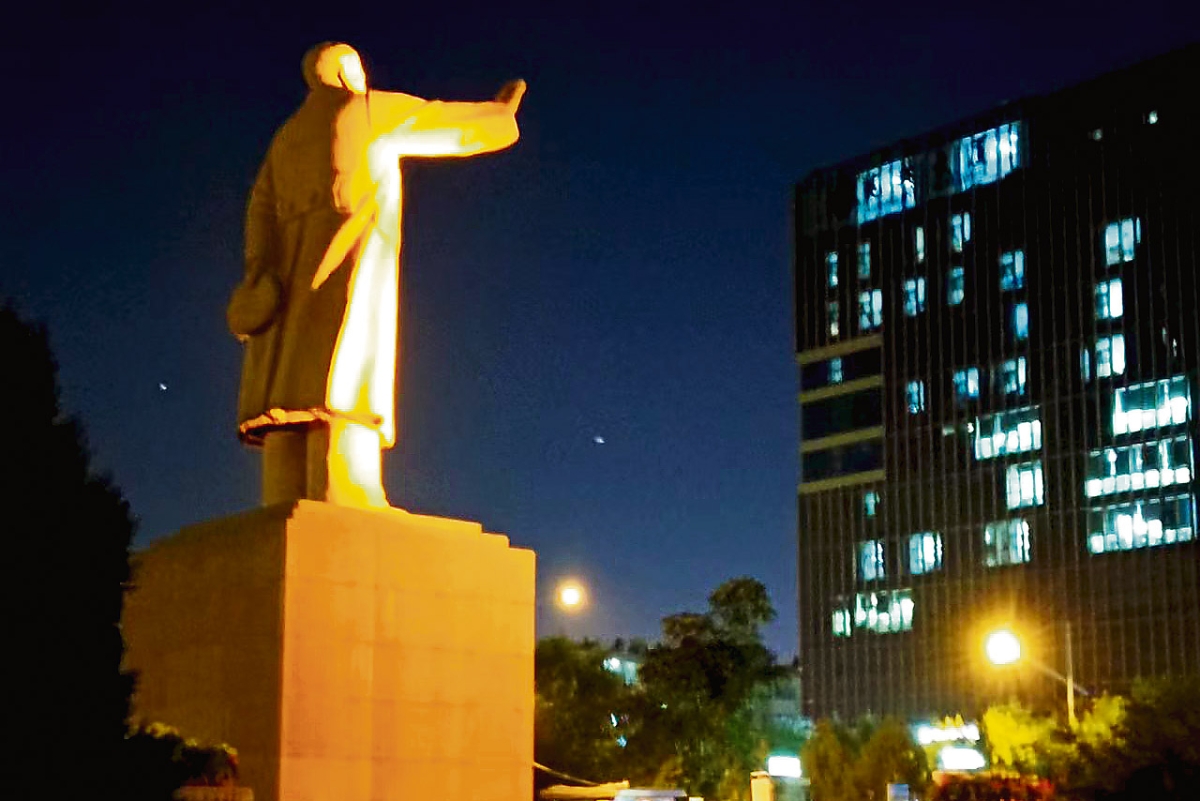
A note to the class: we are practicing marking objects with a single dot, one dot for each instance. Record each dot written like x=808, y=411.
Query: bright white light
x=785, y=766
x=599, y=440
x=960, y=757
x=1002, y=647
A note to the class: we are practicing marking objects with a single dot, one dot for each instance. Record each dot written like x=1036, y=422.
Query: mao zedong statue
x=317, y=308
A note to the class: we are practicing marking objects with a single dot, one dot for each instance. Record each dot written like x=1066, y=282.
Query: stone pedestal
x=348, y=655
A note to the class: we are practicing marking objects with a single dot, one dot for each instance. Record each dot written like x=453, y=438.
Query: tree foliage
x=1145, y=746
x=699, y=725
x=576, y=705
x=68, y=532
x=858, y=762
x=696, y=719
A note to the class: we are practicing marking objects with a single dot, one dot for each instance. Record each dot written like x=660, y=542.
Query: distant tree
x=1152, y=750
x=697, y=724
x=577, y=702
x=858, y=762
x=67, y=537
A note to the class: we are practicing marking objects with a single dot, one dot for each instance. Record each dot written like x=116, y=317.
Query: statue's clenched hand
x=511, y=93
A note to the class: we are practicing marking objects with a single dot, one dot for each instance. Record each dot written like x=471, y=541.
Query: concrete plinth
x=348, y=655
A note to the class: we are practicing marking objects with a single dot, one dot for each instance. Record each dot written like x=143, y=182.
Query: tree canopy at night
x=68, y=536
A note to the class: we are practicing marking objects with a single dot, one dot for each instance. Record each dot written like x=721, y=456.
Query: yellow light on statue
x=1002, y=647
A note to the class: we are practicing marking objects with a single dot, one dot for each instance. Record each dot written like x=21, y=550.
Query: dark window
x=842, y=413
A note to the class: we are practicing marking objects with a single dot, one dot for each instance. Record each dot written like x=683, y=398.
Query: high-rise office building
x=998, y=333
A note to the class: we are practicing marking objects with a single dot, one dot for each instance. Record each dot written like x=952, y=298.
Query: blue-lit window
x=834, y=310
x=870, y=560
x=870, y=503
x=914, y=296
x=1023, y=485
x=1144, y=465
x=1012, y=270
x=988, y=156
x=966, y=384
x=919, y=244
x=885, y=190
x=1004, y=433
x=955, y=286
x=1110, y=356
x=889, y=612
x=835, y=370
x=915, y=395
x=924, y=552
x=1010, y=376
x=1019, y=321
x=1006, y=542
x=864, y=260
x=1155, y=404
x=842, y=622
x=960, y=230
x=1121, y=239
x=1109, y=303
x=831, y=267
x=870, y=309
x=1142, y=524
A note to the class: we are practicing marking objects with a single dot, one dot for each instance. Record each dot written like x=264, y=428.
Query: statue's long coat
x=335, y=166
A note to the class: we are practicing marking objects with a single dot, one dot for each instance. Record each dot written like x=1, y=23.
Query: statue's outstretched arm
x=441, y=128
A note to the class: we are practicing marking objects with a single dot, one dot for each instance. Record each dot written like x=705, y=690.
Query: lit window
x=1006, y=542
x=1151, y=117
x=1121, y=239
x=1012, y=270
x=1015, y=431
x=1142, y=524
x=960, y=230
x=884, y=190
x=831, y=266
x=914, y=296
x=884, y=612
x=966, y=384
x=915, y=392
x=1019, y=321
x=1023, y=483
x=870, y=560
x=870, y=502
x=924, y=552
x=1085, y=363
x=955, y=286
x=919, y=243
x=1010, y=376
x=1097, y=134
x=834, y=312
x=986, y=157
x=1152, y=405
x=1146, y=465
x=870, y=309
x=842, y=622
x=835, y=371
x=1109, y=303
x=1110, y=356
x=864, y=260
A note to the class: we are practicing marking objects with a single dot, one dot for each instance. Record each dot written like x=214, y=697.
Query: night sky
x=596, y=334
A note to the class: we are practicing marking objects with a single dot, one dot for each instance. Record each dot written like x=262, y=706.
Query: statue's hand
x=511, y=93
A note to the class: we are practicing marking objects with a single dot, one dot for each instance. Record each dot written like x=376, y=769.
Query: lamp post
x=1003, y=647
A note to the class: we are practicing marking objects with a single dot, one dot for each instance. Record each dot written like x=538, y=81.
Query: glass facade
x=1017, y=443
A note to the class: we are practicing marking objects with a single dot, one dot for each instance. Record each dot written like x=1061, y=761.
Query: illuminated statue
x=318, y=306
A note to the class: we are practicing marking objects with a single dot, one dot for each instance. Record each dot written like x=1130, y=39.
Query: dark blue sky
x=623, y=272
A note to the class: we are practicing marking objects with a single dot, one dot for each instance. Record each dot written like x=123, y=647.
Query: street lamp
x=570, y=596
x=1003, y=647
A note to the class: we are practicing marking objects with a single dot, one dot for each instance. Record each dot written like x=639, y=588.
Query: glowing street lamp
x=1002, y=647
x=570, y=596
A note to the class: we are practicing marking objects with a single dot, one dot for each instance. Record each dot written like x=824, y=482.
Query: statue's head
x=335, y=65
